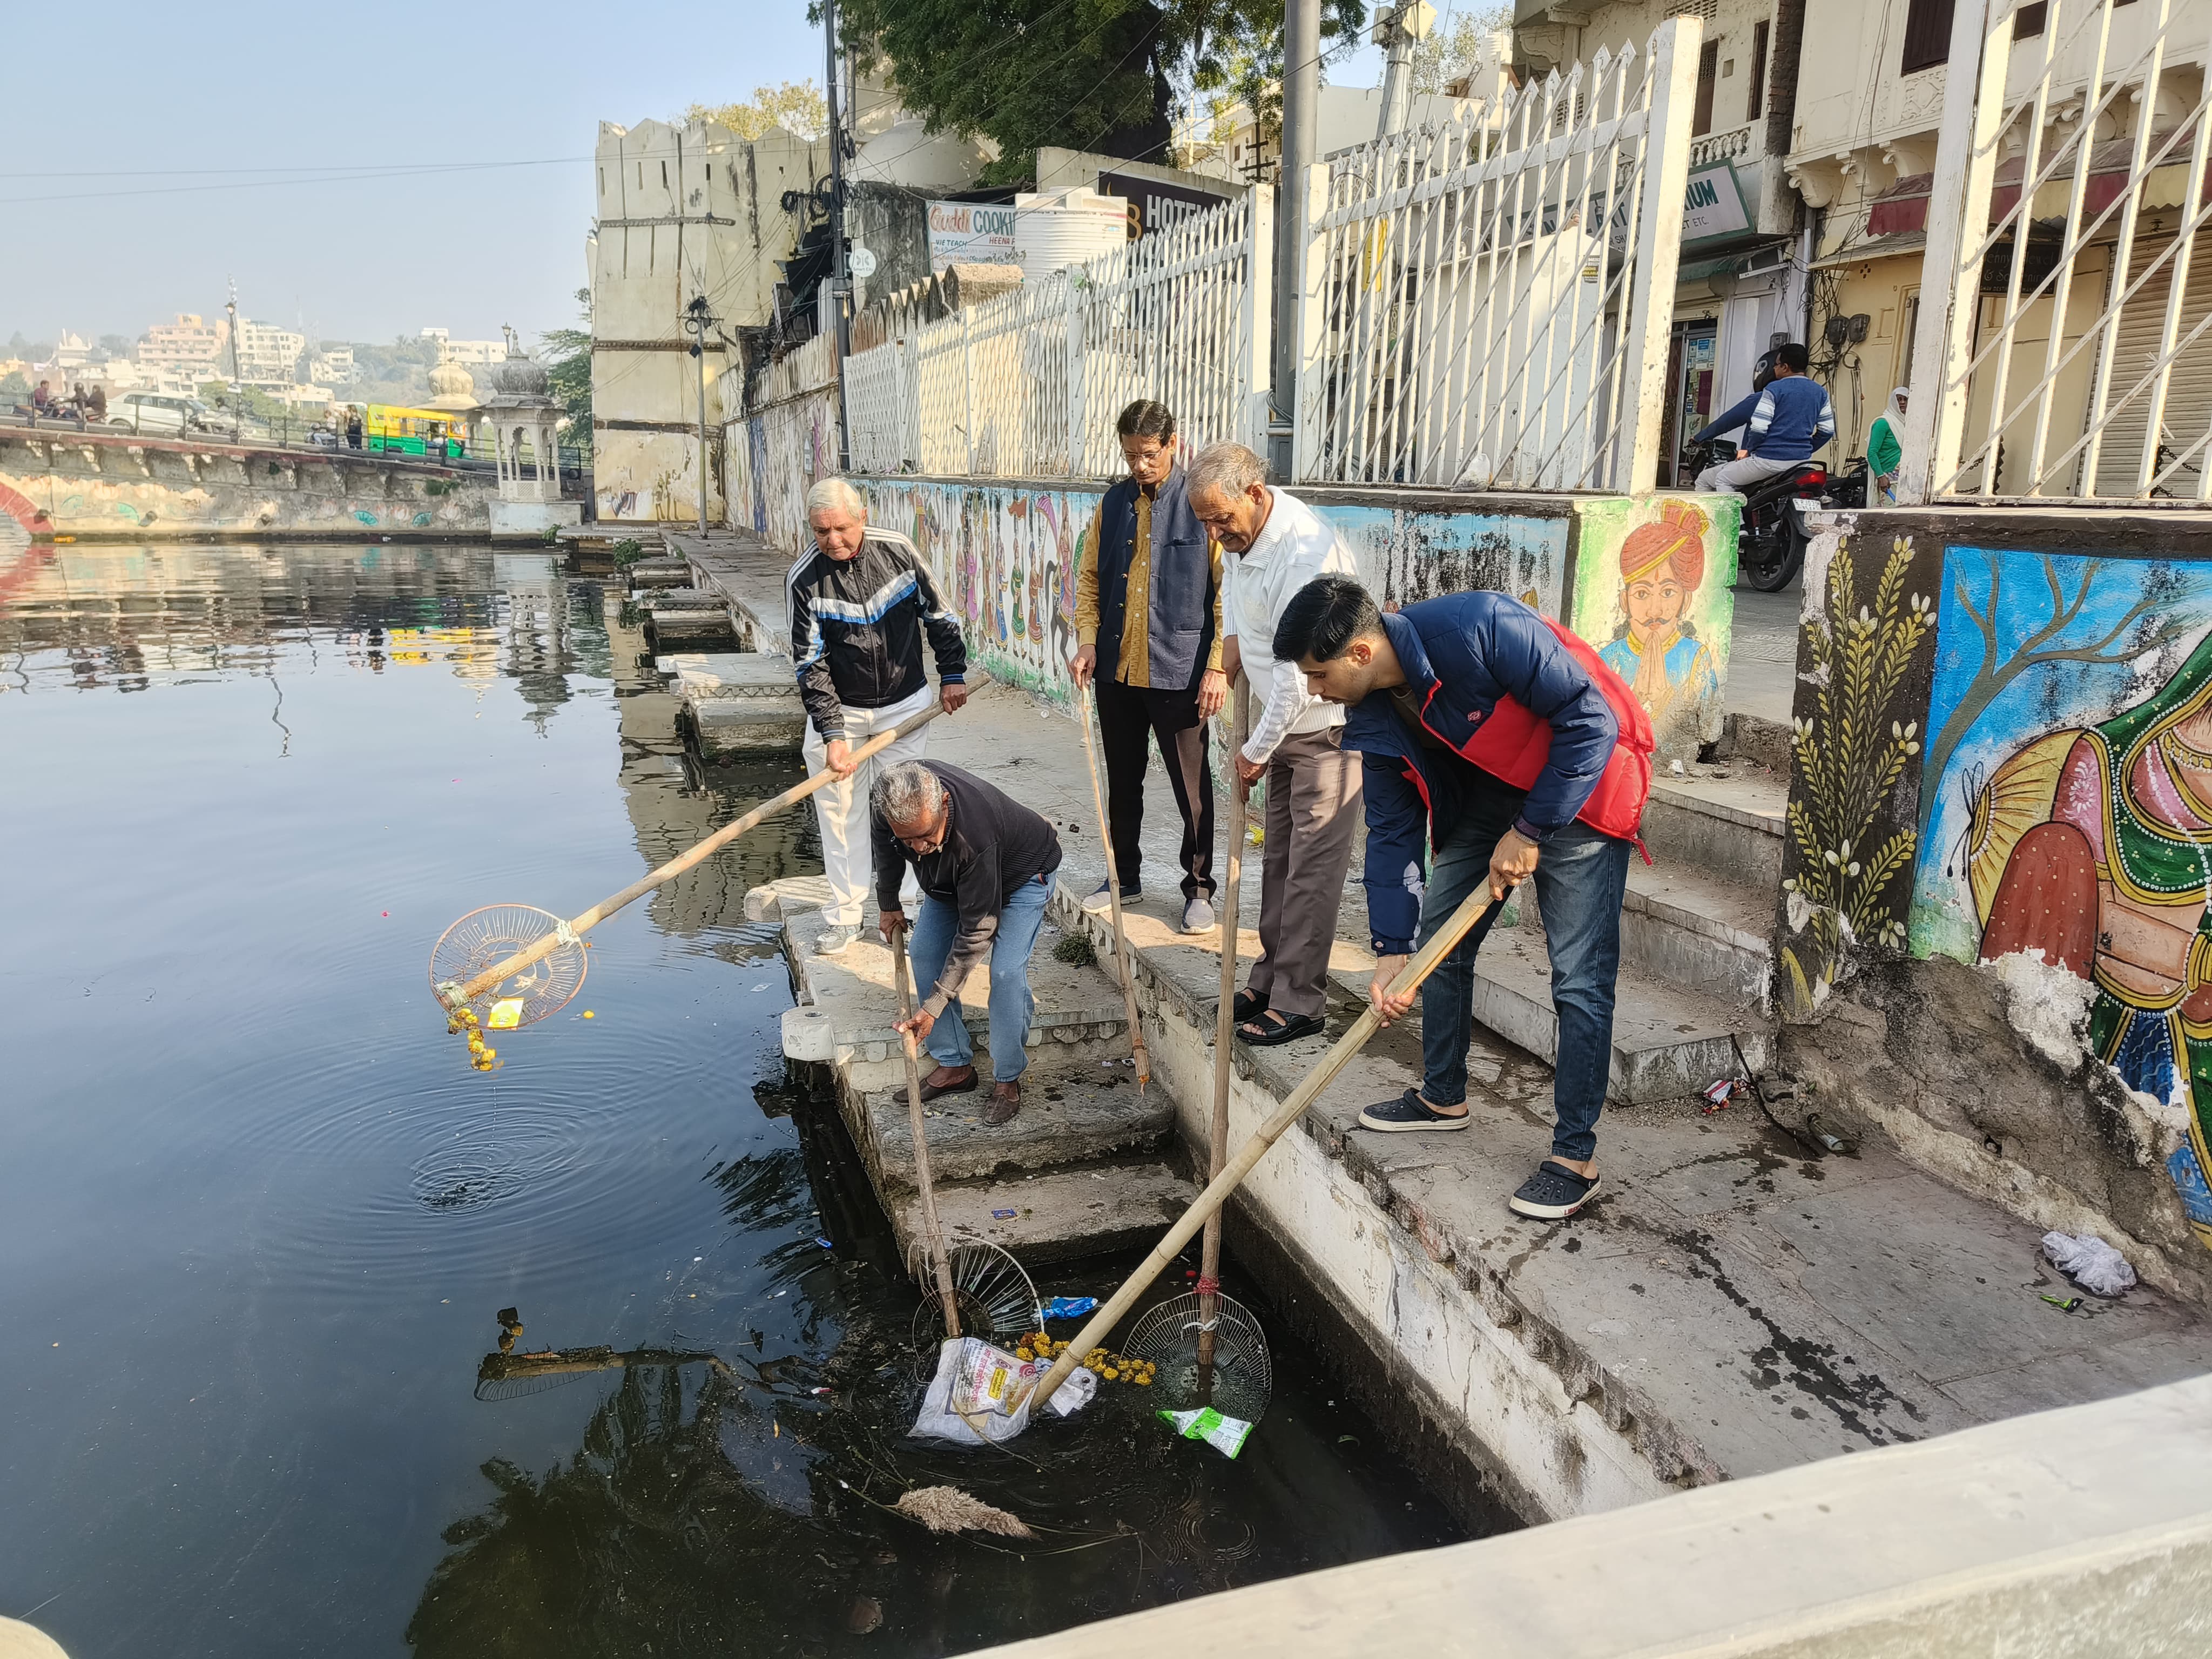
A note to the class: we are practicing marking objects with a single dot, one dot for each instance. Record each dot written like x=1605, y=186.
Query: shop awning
x=1904, y=206
x=1875, y=247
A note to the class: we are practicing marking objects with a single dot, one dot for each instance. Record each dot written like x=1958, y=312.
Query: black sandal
x=1286, y=1029
x=1249, y=1005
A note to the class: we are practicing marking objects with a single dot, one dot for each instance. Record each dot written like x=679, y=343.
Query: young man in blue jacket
x=1498, y=747
x=1783, y=424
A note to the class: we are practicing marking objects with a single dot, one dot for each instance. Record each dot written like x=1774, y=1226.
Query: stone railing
x=1729, y=146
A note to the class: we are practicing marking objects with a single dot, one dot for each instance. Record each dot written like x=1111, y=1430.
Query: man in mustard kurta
x=1148, y=631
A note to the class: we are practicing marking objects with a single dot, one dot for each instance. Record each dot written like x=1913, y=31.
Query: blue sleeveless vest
x=1179, y=618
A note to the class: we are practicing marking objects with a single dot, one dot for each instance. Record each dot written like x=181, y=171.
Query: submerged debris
x=948, y=1508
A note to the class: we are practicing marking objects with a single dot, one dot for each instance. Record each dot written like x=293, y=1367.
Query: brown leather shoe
x=1005, y=1102
x=949, y=1080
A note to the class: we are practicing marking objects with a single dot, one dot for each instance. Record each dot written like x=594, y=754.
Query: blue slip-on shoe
x=1408, y=1112
x=1554, y=1193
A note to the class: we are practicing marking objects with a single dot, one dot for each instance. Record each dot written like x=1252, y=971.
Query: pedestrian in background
x=861, y=603
x=1148, y=632
x=1272, y=544
x=984, y=863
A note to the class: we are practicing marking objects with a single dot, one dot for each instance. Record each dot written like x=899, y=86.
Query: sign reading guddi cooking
x=964, y=233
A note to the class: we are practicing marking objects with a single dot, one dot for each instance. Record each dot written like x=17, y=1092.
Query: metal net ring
x=483, y=940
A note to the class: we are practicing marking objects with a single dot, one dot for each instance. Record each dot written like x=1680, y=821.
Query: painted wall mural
x=1653, y=591
x=1406, y=555
x=1852, y=825
x=2069, y=807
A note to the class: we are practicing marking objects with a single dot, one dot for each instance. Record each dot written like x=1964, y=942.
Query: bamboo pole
x=458, y=997
x=1137, y=1051
x=1224, y=1036
x=932, y=1234
x=1216, y=1193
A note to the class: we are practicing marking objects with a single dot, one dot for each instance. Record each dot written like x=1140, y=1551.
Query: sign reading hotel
x=1713, y=205
x=964, y=233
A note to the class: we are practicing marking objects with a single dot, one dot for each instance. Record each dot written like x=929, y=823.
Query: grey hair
x=836, y=495
x=907, y=792
x=1225, y=470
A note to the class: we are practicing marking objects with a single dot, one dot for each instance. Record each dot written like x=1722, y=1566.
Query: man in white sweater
x=1272, y=546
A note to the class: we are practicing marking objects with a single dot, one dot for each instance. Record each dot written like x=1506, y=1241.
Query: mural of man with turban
x=1656, y=648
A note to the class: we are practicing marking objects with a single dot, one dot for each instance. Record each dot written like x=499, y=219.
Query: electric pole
x=1396, y=31
x=840, y=284
x=698, y=319
x=1301, y=101
x=237, y=379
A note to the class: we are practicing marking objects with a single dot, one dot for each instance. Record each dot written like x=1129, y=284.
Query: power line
x=427, y=171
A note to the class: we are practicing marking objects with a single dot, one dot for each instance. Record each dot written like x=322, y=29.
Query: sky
x=242, y=142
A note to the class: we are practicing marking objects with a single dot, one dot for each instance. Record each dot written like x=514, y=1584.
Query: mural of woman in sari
x=2092, y=848
x=1657, y=650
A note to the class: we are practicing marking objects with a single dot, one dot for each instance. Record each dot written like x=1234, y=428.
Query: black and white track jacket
x=856, y=628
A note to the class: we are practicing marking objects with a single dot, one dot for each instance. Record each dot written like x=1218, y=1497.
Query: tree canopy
x=1094, y=75
x=797, y=107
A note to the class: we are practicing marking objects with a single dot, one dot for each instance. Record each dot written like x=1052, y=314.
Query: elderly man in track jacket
x=1148, y=629
x=861, y=604
x=1498, y=747
x=985, y=863
x=1272, y=546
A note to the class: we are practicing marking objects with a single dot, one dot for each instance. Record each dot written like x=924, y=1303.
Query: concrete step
x=683, y=598
x=1668, y=1040
x=1694, y=929
x=1073, y=1111
x=847, y=1003
x=1059, y=1215
x=735, y=704
x=660, y=572
x=1730, y=827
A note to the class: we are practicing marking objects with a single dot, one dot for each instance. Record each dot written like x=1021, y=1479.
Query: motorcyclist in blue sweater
x=1783, y=424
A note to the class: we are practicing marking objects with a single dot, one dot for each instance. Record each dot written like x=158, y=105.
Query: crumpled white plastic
x=982, y=1396
x=2090, y=1263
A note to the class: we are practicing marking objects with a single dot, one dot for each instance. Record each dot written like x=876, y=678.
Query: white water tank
x=1054, y=229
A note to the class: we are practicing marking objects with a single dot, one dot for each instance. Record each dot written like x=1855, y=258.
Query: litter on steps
x=2090, y=1263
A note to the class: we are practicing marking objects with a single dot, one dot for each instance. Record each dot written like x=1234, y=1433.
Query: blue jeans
x=1581, y=878
x=1011, y=1004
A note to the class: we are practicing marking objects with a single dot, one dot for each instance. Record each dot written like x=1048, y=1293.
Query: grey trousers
x=1743, y=474
x=1313, y=809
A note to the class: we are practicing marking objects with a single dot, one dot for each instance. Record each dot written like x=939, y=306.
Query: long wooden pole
x=461, y=996
x=1232, y=1176
x=1224, y=1036
x=1137, y=1050
x=934, y=1235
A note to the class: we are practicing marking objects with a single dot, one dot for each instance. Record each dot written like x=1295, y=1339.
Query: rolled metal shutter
x=2188, y=412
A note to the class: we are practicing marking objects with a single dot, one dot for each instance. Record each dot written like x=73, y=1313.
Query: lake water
x=258, y=1215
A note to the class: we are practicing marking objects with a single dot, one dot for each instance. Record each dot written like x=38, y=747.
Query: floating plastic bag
x=1069, y=1306
x=1226, y=1435
x=980, y=1395
x=2090, y=1263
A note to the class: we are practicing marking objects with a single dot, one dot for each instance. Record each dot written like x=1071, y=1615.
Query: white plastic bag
x=1226, y=1435
x=2090, y=1263
x=980, y=1395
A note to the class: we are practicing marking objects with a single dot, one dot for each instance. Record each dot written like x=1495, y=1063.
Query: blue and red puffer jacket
x=1515, y=695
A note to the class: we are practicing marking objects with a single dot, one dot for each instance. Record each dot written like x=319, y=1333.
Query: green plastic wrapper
x=1226, y=1435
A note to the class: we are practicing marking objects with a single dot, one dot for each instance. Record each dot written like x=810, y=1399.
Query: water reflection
x=255, y=1206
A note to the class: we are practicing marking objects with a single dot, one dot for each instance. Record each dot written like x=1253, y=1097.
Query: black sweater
x=992, y=845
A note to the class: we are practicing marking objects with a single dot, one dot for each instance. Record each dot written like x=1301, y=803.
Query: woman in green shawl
x=1885, y=446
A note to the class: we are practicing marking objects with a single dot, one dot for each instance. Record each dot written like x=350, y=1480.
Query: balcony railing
x=1729, y=146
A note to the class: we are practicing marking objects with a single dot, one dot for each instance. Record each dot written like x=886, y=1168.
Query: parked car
x=158, y=414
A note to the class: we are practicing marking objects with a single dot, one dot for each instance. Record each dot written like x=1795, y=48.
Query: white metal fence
x=1028, y=385
x=2079, y=198
x=1487, y=303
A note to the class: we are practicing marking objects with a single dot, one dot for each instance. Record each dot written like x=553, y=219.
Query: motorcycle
x=1771, y=545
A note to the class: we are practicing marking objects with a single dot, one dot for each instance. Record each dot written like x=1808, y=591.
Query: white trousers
x=841, y=809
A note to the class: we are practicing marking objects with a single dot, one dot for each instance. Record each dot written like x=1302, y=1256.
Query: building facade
x=191, y=345
x=267, y=353
x=470, y=354
x=683, y=211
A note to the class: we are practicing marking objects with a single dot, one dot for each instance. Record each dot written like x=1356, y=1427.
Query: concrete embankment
x=107, y=485
x=1732, y=1305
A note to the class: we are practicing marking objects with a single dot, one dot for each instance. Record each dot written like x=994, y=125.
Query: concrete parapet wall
x=121, y=487
x=2086, y=1532
x=1994, y=942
